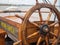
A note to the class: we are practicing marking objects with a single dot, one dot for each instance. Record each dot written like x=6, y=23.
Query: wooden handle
x=16, y=43
x=19, y=16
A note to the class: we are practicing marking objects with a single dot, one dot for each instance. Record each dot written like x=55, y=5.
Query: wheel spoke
x=53, y=24
x=53, y=34
x=34, y=34
x=36, y=25
x=55, y=42
x=46, y=39
x=48, y=18
x=40, y=15
x=39, y=40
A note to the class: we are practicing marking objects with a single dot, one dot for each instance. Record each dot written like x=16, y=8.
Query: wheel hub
x=44, y=29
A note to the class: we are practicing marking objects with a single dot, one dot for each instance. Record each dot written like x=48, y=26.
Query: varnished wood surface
x=2, y=37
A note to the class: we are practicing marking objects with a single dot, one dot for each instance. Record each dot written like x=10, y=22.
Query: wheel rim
x=29, y=13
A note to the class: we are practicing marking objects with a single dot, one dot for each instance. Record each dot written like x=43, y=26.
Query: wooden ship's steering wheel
x=45, y=28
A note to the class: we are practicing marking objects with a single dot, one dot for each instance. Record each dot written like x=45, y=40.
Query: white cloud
x=23, y=1
x=4, y=1
x=14, y=1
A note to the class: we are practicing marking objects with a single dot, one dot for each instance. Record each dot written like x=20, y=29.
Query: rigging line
x=45, y=1
x=49, y=2
x=55, y=17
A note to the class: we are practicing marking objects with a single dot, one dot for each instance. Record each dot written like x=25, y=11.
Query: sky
x=31, y=2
